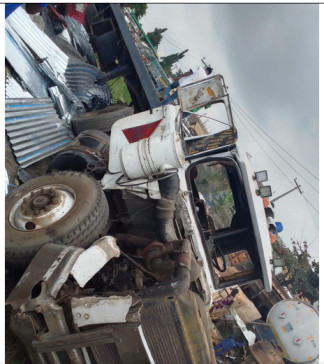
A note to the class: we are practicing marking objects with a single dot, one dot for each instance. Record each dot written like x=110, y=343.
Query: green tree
x=168, y=61
x=156, y=36
x=302, y=274
x=139, y=9
x=177, y=74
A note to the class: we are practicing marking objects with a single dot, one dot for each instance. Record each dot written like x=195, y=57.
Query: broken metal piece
x=84, y=81
x=100, y=310
x=51, y=265
x=61, y=102
x=94, y=258
x=81, y=38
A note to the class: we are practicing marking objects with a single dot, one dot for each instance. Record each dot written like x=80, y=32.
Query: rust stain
x=310, y=337
x=310, y=357
x=211, y=93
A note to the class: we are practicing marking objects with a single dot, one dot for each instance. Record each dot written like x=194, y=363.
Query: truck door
x=225, y=224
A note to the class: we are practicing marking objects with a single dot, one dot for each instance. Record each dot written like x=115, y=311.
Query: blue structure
x=226, y=345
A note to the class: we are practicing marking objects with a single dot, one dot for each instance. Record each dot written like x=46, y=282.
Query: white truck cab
x=217, y=206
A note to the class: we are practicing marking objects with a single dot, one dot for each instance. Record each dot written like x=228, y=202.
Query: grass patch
x=119, y=90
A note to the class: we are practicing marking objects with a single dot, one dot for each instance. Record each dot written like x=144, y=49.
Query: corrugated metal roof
x=13, y=89
x=38, y=41
x=34, y=129
x=24, y=66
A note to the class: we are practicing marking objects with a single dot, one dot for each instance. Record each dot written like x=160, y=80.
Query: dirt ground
x=15, y=352
x=32, y=171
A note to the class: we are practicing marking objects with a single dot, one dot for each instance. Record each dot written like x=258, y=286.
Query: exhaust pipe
x=165, y=207
x=181, y=281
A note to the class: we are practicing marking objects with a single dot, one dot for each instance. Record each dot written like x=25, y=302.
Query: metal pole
x=251, y=322
x=203, y=61
x=144, y=34
x=286, y=193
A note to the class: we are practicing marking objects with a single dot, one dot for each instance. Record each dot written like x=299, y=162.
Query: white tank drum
x=145, y=157
x=295, y=325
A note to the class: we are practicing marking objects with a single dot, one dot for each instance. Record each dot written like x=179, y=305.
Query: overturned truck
x=128, y=236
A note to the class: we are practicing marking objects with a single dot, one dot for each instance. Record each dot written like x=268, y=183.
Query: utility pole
x=286, y=193
x=203, y=60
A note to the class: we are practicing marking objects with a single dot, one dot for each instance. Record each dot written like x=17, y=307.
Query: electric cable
x=243, y=123
x=310, y=203
x=189, y=53
x=311, y=214
x=155, y=177
x=234, y=104
x=180, y=46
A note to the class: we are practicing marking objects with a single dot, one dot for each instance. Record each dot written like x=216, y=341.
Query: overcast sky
x=268, y=55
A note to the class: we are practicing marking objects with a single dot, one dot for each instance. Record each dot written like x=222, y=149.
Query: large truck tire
x=67, y=208
x=100, y=119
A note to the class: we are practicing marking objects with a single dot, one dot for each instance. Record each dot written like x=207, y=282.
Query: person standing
x=198, y=74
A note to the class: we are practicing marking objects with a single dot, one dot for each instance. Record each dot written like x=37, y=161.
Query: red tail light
x=140, y=132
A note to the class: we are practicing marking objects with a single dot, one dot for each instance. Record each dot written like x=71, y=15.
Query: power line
x=243, y=123
x=236, y=112
x=244, y=114
x=169, y=52
x=274, y=140
x=179, y=45
x=310, y=204
x=189, y=53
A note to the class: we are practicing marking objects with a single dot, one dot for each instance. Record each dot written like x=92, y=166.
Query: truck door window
x=213, y=196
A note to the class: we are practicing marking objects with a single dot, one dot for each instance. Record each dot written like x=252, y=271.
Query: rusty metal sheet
x=119, y=343
x=52, y=265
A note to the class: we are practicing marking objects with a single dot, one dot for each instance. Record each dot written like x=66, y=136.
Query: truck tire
x=100, y=119
x=67, y=208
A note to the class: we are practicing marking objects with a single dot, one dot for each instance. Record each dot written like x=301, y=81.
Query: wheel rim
x=42, y=207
